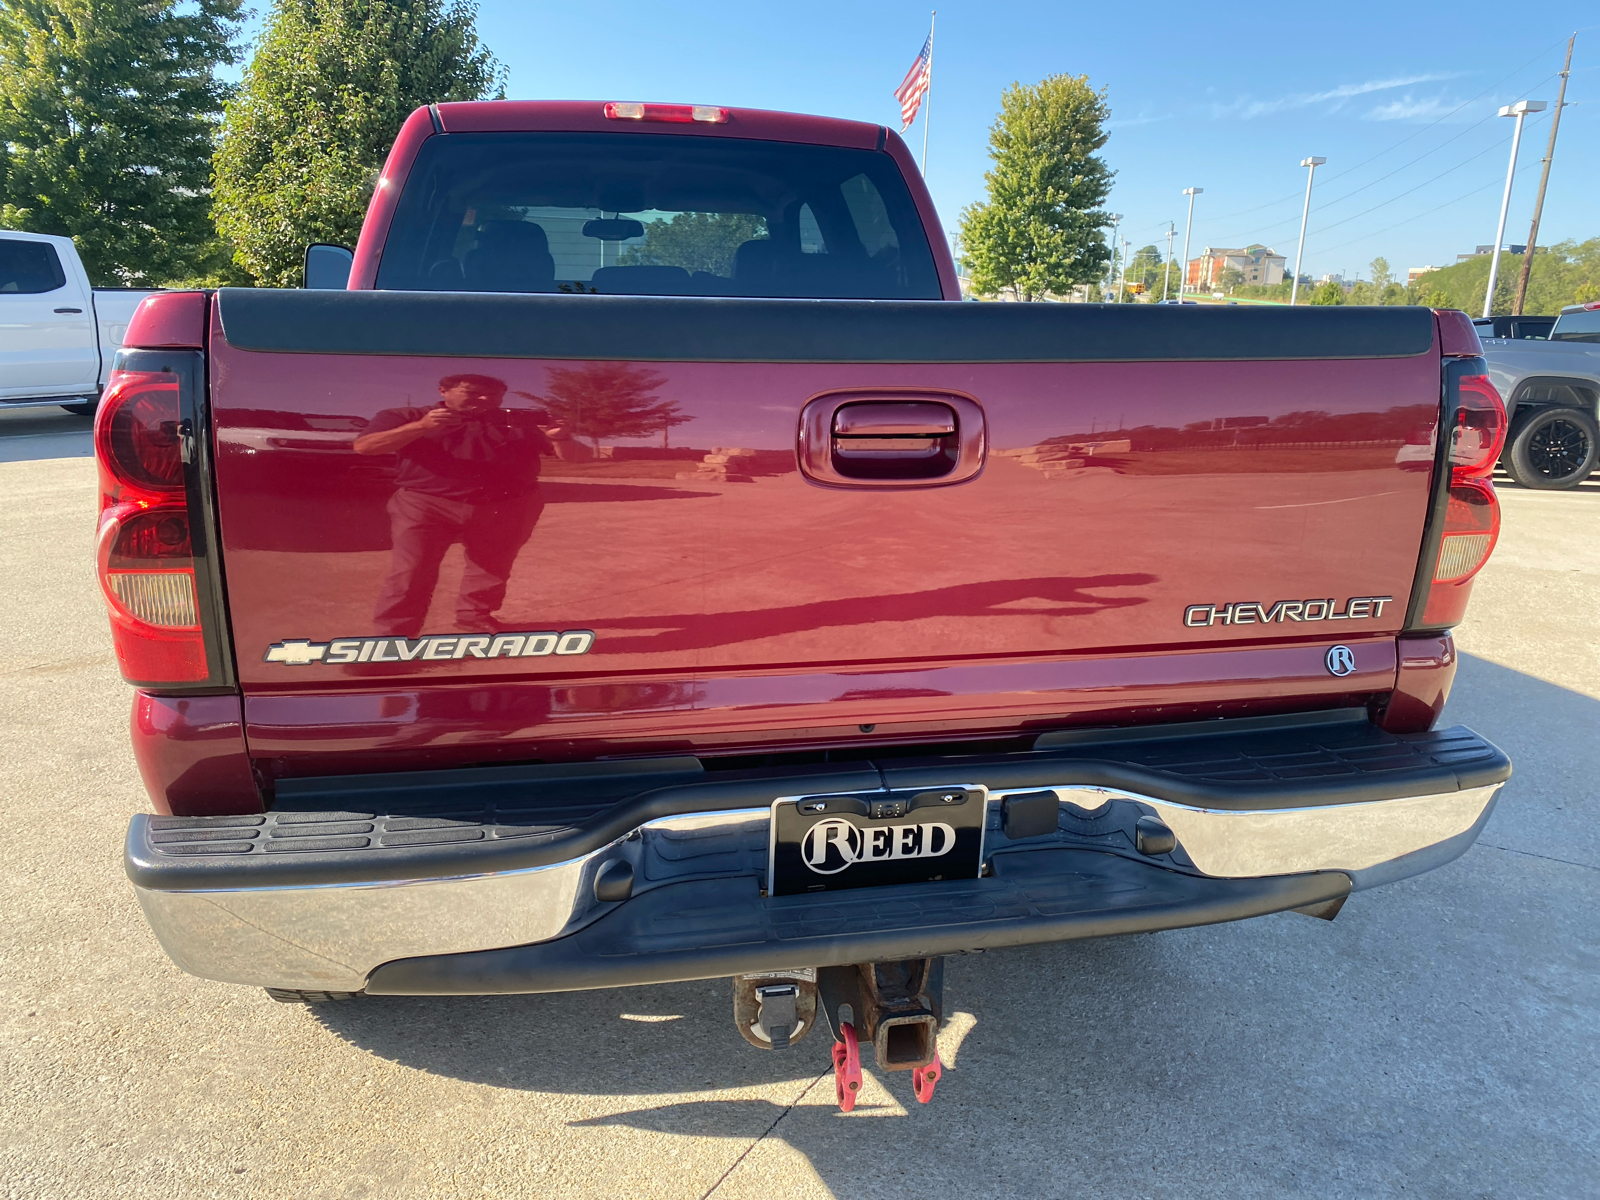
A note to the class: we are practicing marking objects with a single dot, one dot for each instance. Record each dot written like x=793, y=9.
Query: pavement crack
x=1546, y=857
x=734, y=1166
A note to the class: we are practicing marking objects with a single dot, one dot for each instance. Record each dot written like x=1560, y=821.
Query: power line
x=1504, y=78
x=1411, y=163
x=1429, y=212
x=1270, y=229
x=1294, y=195
x=1384, y=204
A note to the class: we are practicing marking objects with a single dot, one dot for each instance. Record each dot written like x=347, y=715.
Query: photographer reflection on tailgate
x=469, y=473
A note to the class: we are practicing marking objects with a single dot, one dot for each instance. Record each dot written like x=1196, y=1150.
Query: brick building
x=1257, y=264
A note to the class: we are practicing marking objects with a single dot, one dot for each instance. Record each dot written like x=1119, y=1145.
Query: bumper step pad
x=710, y=928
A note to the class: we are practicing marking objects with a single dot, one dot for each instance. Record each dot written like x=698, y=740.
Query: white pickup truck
x=58, y=335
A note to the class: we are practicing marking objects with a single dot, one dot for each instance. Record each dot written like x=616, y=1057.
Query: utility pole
x=1116, y=220
x=1122, y=279
x=1305, y=214
x=1183, y=268
x=1519, y=110
x=1166, y=270
x=1544, y=179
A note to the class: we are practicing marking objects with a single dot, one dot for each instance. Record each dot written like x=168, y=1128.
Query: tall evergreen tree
x=322, y=99
x=107, y=111
x=1039, y=231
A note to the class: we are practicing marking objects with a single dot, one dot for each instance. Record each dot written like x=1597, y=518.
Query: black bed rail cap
x=704, y=329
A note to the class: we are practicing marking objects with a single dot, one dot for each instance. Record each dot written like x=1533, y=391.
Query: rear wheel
x=1554, y=448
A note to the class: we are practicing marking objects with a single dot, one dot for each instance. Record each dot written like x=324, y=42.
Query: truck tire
x=1553, y=448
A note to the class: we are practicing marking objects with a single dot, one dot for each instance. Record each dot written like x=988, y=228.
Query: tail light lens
x=1479, y=431
x=145, y=555
x=1471, y=518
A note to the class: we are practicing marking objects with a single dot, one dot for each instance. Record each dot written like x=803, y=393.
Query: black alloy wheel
x=1554, y=448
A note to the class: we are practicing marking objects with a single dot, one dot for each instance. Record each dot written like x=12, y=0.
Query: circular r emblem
x=830, y=846
x=1341, y=661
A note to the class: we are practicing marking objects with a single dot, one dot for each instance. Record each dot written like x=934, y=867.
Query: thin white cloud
x=1124, y=122
x=1335, y=98
x=1409, y=108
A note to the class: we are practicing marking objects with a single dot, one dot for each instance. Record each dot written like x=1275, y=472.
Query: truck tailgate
x=1175, y=511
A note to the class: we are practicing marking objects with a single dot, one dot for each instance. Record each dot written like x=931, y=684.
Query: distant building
x=1481, y=250
x=1414, y=273
x=1257, y=264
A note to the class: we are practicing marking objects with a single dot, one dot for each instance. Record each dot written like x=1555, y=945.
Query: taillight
x=1469, y=522
x=137, y=434
x=1478, y=431
x=145, y=556
x=672, y=113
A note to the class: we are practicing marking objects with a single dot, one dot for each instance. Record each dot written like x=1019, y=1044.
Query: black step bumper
x=712, y=928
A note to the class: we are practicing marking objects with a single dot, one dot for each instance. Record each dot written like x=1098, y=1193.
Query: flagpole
x=927, y=115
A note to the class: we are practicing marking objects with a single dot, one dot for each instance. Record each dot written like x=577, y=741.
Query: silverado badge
x=434, y=648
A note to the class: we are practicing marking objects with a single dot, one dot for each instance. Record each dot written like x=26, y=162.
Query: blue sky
x=1399, y=97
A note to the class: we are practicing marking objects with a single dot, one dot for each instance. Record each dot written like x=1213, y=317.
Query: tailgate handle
x=910, y=419
x=861, y=439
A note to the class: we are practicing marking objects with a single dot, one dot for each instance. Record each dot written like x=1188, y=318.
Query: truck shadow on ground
x=31, y=434
x=680, y=1038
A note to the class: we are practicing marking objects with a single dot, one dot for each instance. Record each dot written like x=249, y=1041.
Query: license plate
x=827, y=843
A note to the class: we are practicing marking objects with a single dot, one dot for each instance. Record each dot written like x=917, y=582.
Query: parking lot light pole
x=1519, y=110
x=1166, y=270
x=1183, y=267
x=1111, y=272
x=1305, y=214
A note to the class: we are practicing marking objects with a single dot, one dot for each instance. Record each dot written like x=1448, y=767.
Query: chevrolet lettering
x=1252, y=612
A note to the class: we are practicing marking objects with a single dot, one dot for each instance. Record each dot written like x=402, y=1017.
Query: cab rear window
x=1577, y=327
x=648, y=214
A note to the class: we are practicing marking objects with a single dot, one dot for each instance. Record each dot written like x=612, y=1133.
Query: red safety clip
x=847, y=1067
x=923, y=1078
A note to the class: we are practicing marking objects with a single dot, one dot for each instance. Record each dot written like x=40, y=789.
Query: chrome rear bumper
x=235, y=926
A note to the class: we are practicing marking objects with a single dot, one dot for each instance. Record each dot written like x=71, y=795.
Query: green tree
x=1231, y=278
x=1382, y=277
x=1560, y=272
x=329, y=86
x=1038, y=233
x=695, y=241
x=609, y=400
x=1327, y=293
x=1145, y=268
x=107, y=111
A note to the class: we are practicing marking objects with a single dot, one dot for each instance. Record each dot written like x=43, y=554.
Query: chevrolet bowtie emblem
x=296, y=654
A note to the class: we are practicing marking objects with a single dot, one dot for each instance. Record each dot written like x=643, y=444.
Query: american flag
x=915, y=85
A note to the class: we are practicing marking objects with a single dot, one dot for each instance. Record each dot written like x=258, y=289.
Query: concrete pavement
x=1438, y=1039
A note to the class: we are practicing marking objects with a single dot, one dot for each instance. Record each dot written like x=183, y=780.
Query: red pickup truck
x=643, y=571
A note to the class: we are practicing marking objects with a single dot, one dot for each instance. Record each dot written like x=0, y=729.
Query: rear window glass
x=1577, y=327
x=651, y=214
x=29, y=267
